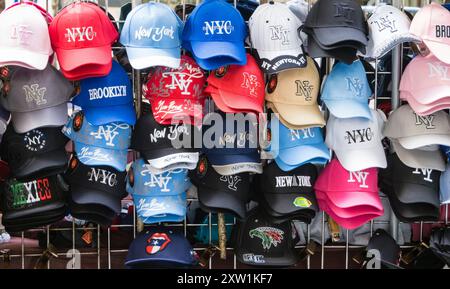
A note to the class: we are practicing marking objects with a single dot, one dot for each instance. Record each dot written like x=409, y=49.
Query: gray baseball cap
x=413, y=131
x=35, y=98
x=419, y=158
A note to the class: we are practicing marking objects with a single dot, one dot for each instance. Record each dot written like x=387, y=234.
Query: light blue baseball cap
x=445, y=186
x=158, y=197
x=292, y=148
x=152, y=36
x=346, y=91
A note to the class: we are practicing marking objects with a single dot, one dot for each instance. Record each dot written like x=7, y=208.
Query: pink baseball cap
x=425, y=109
x=427, y=80
x=430, y=24
x=349, y=189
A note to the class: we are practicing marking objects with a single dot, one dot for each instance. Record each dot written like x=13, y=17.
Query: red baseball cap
x=82, y=34
x=87, y=71
x=237, y=88
x=176, y=92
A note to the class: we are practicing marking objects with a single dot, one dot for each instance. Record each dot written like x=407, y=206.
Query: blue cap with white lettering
x=103, y=145
x=215, y=32
x=158, y=197
x=346, y=91
x=107, y=99
x=152, y=36
x=292, y=148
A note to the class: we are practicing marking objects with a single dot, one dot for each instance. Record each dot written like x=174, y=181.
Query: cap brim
x=388, y=44
x=75, y=58
x=304, y=154
x=231, y=164
x=85, y=196
x=408, y=193
x=425, y=109
x=106, y=114
x=172, y=158
x=284, y=204
x=160, y=209
x=50, y=163
x=420, y=158
x=87, y=71
x=346, y=55
x=179, y=110
x=234, y=51
x=431, y=96
x=329, y=36
x=141, y=58
x=272, y=54
x=218, y=101
x=359, y=159
x=348, y=108
x=418, y=141
x=24, y=58
x=47, y=117
x=439, y=50
x=347, y=200
x=214, y=199
x=97, y=156
x=299, y=115
x=236, y=102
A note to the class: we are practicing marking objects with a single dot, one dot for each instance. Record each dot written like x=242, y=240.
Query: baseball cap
x=293, y=94
x=388, y=27
x=176, y=92
x=445, y=186
x=82, y=35
x=274, y=34
x=95, y=185
x=218, y=193
x=160, y=247
x=24, y=39
x=158, y=197
x=357, y=141
x=293, y=148
x=4, y=119
x=38, y=152
x=424, y=84
x=233, y=146
x=426, y=157
x=35, y=98
x=387, y=247
x=165, y=146
x=346, y=91
x=215, y=32
x=346, y=52
x=260, y=242
x=237, y=88
x=102, y=145
x=430, y=24
x=108, y=98
x=152, y=36
x=288, y=193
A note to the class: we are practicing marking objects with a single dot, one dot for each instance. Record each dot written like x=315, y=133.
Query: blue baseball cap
x=346, y=91
x=445, y=186
x=215, y=32
x=296, y=147
x=99, y=145
x=162, y=248
x=107, y=99
x=158, y=197
x=446, y=151
x=152, y=36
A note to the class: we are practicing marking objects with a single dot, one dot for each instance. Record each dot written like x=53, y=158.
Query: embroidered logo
x=278, y=33
x=269, y=236
x=21, y=33
x=80, y=34
x=359, y=135
x=304, y=88
x=426, y=173
x=102, y=176
x=232, y=181
x=251, y=83
x=34, y=93
x=154, y=33
x=34, y=140
x=358, y=177
x=384, y=23
x=217, y=27
x=426, y=120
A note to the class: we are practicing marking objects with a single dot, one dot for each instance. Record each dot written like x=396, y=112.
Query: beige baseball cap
x=293, y=94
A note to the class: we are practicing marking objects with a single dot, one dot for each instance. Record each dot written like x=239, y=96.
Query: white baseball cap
x=357, y=141
x=24, y=38
x=274, y=35
x=388, y=27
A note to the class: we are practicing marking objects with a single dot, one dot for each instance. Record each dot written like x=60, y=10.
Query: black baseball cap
x=347, y=55
x=218, y=193
x=155, y=142
x=38, y=152
x=387, y=246
x=289, y=194
x=260, y=242
x=96, y=185
x=92, y=212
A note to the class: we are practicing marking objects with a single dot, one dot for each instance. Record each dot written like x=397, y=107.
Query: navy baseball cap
x=152, y=36
x=215, y=32
x=158, y=197
x=160, y=248
x=234, y=149
x=99, y=145
x=292, y=148
x=107, y=99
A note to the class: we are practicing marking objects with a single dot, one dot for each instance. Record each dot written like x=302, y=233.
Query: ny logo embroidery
x=103, y=176
x=80, y=34
x=426, y=173
x=358, y=177
x=345, y=11
x=155, y=33
x=21, y=33
x=34, y=93
x=359, y=135
x=108, y=132
x=354, y=85
x=232, y=181
x=438, y=70
x=304, y=88
x=298, y=134
x=179, y=80
x=251, y=83
x=217, y=27
x=278, y=33
x=426, y=120
x=158, y=181
x=34, y=140
x=385, y=23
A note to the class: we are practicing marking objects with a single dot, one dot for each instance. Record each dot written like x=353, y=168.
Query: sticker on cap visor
x=272, y=85
x=221, y=71
x=78, y=121
x=302, y=202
